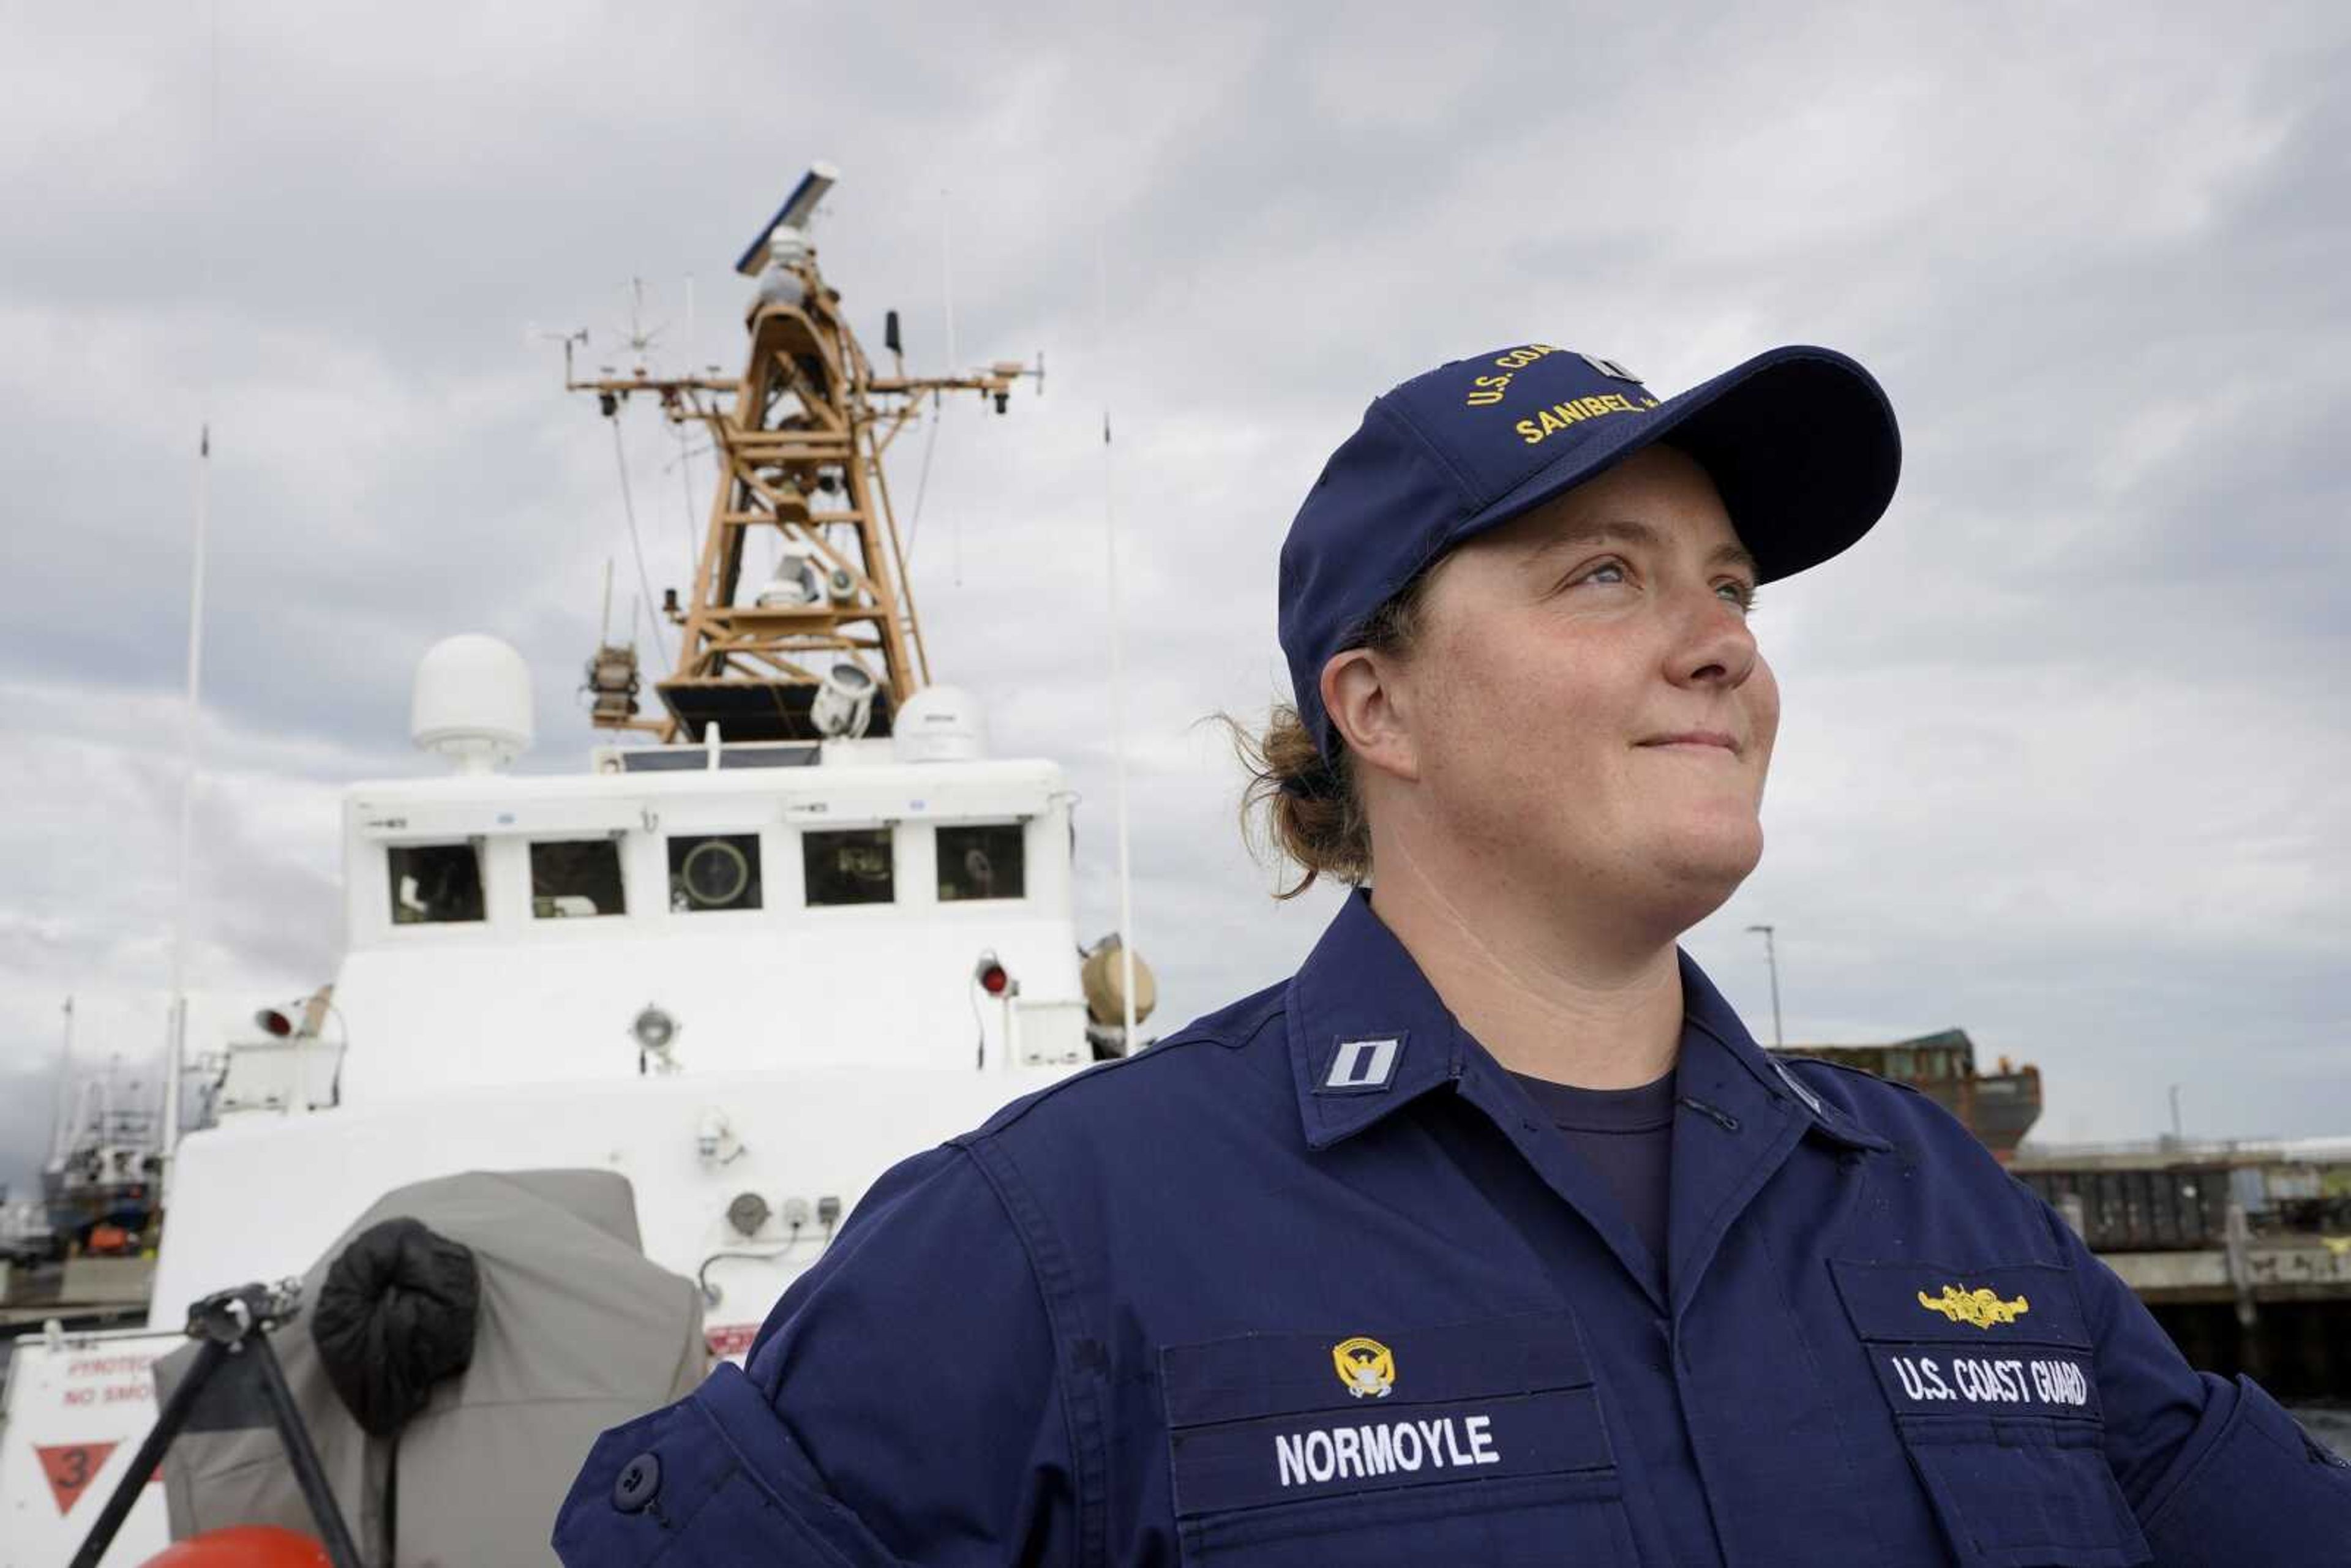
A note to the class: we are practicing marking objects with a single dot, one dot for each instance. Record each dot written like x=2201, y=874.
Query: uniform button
x=639, y=1480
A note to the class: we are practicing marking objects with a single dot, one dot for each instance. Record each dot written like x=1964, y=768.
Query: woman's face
x=1586, y=704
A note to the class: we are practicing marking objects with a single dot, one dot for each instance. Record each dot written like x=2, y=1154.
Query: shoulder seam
x=1231, y=1040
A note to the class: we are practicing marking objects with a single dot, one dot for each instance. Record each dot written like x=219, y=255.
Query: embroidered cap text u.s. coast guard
x=1800, y=441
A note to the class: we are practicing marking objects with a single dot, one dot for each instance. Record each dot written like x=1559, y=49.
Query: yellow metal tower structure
x=798, y=440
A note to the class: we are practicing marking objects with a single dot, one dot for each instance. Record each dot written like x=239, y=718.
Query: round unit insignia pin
x=1366, y=1366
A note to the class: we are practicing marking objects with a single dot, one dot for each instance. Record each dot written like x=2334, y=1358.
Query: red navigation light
x=275, y=1021
x=992, y=975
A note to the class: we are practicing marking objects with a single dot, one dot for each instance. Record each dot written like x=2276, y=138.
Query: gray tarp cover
x=577, y=1332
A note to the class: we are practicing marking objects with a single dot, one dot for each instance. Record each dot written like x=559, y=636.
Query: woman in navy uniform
x=1490, y=1236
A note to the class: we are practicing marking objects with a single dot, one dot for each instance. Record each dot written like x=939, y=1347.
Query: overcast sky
x=2063, y=738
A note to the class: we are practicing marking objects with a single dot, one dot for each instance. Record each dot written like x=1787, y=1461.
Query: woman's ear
x=1370, y=710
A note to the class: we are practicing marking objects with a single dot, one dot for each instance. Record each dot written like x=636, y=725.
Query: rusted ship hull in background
x=1999, y=1107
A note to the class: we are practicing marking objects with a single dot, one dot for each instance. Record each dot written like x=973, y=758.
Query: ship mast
x=799, y=438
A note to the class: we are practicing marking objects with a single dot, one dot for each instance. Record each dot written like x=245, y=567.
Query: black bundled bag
x=395, y=1316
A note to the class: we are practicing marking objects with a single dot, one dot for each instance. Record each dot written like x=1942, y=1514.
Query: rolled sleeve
x=901, y=1405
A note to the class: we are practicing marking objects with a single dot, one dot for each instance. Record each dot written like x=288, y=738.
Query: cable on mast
x=923, y=474
x=636, y=545
x=685, y=489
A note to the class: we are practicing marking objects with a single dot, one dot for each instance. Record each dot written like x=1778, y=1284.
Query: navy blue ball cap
x=1801, y=442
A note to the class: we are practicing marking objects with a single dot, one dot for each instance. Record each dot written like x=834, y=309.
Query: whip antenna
x=1117, y=669
x=175, y=1048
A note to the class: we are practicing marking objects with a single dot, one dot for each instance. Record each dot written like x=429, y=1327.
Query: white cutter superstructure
x=750, y=974
x=700, y=976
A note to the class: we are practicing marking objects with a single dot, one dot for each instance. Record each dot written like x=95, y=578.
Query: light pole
x=1771, y=960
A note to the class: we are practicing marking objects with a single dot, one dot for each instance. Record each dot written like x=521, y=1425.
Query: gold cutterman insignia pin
x=1981, y=1307
x=1365, y=1365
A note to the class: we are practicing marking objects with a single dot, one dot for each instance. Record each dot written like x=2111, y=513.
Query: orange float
x=243, y=1546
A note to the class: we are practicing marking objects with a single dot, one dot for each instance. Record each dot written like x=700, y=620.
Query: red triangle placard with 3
x=70, y=1468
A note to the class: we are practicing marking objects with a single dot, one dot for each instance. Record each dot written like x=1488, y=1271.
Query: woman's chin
x=1705, y=863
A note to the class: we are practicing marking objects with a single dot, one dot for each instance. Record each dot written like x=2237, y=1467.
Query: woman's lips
x=1708, y=739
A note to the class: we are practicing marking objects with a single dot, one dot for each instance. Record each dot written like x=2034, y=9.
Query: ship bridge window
x=435, y=884
x=573, y=878
x=714, y=871
x=980, y=861
x=849, y=865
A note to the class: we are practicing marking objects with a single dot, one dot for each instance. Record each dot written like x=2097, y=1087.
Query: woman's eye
x=1738, y=593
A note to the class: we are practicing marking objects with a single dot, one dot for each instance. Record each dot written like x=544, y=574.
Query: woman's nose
x=1713, y=644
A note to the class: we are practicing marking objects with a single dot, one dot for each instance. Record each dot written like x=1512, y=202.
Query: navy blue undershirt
x=1626, y=1134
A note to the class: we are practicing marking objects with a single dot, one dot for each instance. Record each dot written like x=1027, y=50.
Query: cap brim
x=1801, y=442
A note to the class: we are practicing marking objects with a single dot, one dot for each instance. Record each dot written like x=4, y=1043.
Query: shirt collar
x=1368, y=1031
x=1368, y=1034
x=1705, y=1014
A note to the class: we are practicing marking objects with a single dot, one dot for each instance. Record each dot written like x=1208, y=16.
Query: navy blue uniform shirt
x=1626, y=1134
x=1311, y=1284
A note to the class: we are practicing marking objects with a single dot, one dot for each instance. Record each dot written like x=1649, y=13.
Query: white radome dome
x=472, y=703
x=939, y=724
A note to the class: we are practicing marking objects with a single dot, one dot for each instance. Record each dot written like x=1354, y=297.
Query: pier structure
x=2241, y=1250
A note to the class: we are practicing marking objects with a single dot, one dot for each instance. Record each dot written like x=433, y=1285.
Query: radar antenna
x=799, y=439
